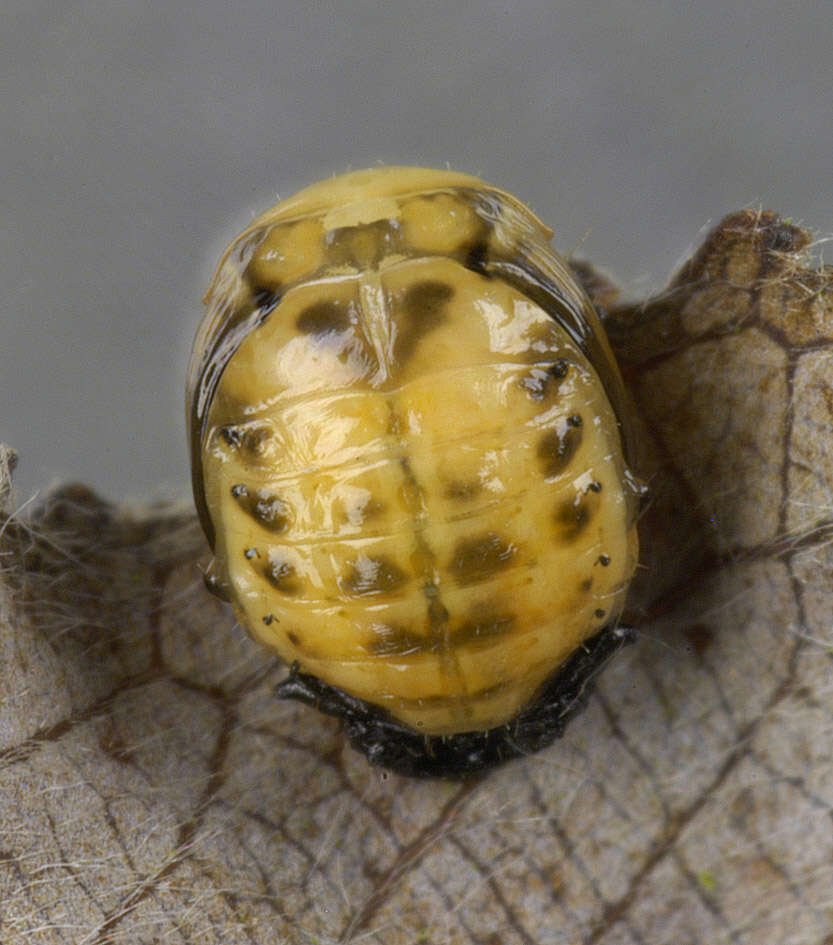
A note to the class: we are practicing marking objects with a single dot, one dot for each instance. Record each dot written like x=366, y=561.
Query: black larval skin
x=392, y=745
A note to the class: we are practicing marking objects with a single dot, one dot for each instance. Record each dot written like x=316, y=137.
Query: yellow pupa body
x=408, y=446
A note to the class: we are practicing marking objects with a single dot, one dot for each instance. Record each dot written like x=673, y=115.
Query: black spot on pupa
x=281, y=575
x=556, y=448
x=419, y=310
x=266, y=509
x=250, y=553
x=293, y=638
x=239, y=490
x=575, y=420
x=599, y=613
x=586, y=585
x=232, y=436
x=324, y=318
x=426, y=300
x=249, y=439
x=543, y=382
x=595, y=486
x=371, y=576
x=572, y=517
x=270, y=512
x=477, y=559
x=269, y=619
x=604, y=560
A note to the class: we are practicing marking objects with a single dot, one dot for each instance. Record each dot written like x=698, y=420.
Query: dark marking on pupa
x=477, y=559
x=573, y=516
x=418, y=310
x=328, y=316
x=557, y=447
x=281, y=575
x=371, y=576
x=247, y=439
x=269, y=511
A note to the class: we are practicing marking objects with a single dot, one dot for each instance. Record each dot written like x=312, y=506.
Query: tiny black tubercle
x=393, y=745
x=250, y=440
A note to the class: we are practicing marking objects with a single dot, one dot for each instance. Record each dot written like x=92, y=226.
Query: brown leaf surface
x=153, y=791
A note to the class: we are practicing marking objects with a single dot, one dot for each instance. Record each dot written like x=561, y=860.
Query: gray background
x=136, y=137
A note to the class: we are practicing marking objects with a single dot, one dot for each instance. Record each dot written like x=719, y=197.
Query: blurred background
x=138, y=136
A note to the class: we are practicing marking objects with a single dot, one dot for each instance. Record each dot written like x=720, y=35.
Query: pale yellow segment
x=438, y=224
x=288, y=252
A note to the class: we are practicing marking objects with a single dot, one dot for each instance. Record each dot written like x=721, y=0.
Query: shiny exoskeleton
x=410, y=458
